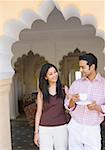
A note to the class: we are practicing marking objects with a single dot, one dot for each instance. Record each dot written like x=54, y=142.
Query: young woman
x=50, y=121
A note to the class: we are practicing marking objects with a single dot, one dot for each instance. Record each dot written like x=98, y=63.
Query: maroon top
x=53, y=112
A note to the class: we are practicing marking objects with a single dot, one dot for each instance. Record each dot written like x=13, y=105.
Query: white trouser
x=84, y=137
x=53, y=138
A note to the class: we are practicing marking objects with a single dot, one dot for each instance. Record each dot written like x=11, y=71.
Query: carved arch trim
x=69, y=62
x=27, y=70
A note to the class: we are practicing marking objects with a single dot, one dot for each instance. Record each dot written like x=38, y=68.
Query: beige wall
x=5, y=136
x=20, y=13
x=14, y=9
x=57, y=37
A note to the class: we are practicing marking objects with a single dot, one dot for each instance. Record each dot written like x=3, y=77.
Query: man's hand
x=94, y=106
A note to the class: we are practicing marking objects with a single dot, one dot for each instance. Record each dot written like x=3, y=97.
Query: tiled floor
x=22, y=136
x=103, y=136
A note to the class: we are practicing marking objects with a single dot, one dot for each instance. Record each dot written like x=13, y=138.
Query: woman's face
x=52, y=75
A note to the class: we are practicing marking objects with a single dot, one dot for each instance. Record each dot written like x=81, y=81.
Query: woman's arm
x=70, y=99
x=38, y=116
x=73, y=100
x=71, y=103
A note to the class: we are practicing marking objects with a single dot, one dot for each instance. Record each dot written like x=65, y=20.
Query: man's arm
x=95, y=106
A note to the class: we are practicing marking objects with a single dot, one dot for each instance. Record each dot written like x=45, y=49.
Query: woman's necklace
x=52, y=90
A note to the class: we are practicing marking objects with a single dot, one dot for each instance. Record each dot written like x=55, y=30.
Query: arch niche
x=68, y=65
x=26, y=77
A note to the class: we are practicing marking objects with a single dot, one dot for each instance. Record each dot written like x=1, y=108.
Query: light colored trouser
x=53, y=138
x=84, y=137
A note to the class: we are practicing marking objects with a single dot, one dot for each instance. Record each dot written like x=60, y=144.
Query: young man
x=86, y=117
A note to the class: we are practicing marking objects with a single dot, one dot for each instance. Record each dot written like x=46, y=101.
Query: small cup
x=83, y=96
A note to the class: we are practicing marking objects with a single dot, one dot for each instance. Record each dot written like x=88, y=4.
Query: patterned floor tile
x=22, y=136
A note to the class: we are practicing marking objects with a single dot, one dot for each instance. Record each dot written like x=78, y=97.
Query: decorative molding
x=68, y=63
x=12, y=28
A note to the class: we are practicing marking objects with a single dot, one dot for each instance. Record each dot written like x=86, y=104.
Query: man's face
x=84, y=68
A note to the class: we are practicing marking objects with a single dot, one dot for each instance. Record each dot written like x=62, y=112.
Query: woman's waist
x=53, y=121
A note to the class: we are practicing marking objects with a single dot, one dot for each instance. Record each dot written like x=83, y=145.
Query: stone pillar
x=5, y=130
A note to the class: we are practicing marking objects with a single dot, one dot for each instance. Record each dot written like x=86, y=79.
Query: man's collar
x=98, y=77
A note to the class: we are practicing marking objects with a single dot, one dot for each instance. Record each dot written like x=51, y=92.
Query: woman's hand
x=75, y=97
x=66, y=89
x=73, y=101
x=68, y=96
x=36, y=138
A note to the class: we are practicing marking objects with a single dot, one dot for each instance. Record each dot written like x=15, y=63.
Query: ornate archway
x=26, y=76
x=42, y=10
x=69, y=64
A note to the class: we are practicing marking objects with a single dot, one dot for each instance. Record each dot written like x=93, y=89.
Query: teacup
x=83, y=96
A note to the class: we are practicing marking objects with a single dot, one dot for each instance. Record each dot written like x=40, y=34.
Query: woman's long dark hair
x=44, y=84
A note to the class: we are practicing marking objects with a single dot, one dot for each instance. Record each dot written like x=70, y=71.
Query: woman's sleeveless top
x=53, y=113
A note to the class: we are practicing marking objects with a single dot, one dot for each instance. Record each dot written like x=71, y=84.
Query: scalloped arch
x=12, y=29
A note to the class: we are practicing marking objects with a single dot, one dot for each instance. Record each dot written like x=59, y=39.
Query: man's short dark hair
x=90, y=58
